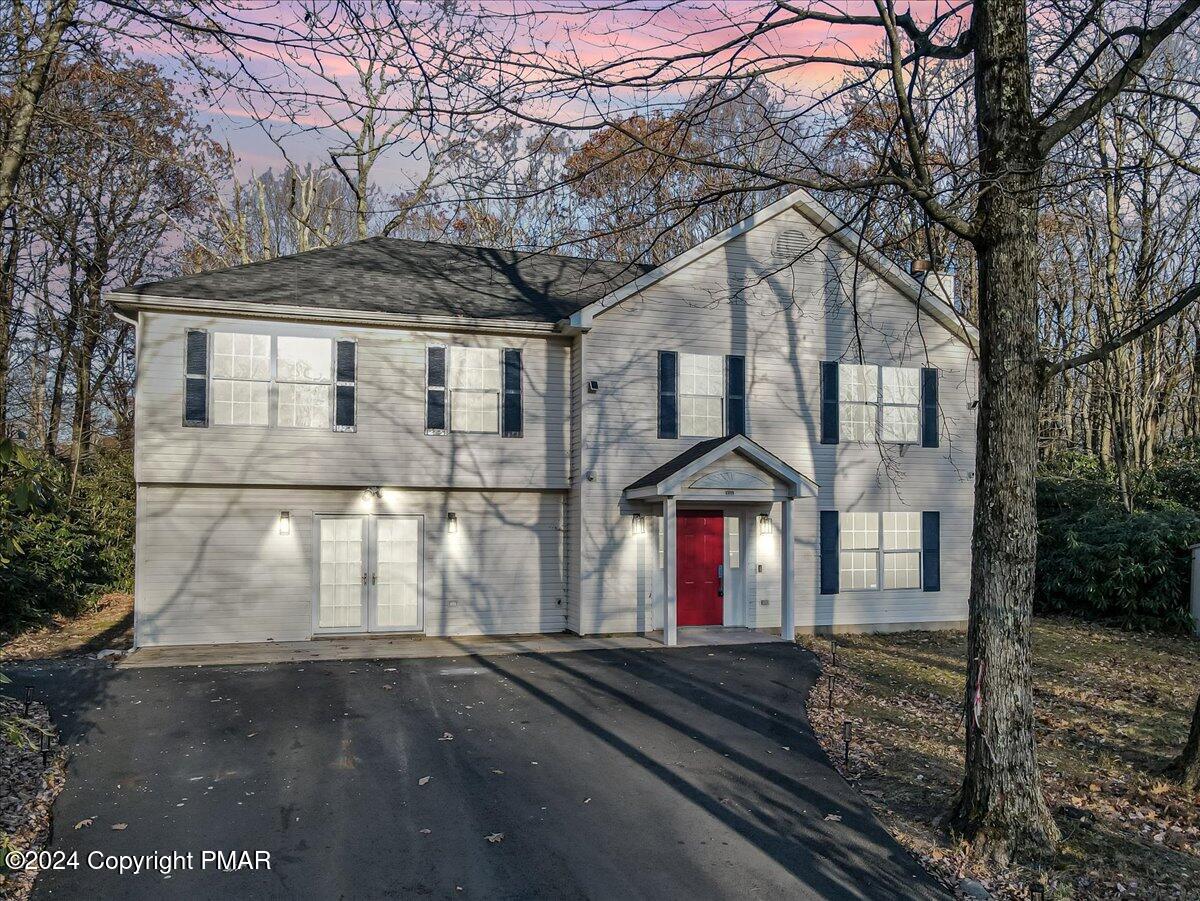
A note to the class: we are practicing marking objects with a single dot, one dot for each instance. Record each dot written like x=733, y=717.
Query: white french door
x=369, y=574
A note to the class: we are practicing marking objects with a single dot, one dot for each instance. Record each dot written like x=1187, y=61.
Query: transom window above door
x=701, y=395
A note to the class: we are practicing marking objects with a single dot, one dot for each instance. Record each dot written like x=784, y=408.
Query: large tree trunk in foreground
x=1001, y=809
x=1186, y=767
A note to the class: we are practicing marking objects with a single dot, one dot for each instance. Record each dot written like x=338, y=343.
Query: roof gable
x=669, y=479
x=825, y=220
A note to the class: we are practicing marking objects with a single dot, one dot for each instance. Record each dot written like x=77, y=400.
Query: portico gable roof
x=669, y=479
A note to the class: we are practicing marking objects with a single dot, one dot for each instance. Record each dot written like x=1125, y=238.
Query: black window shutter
x=830, y=426
x=668, y=412
x=345, y=387
x=195, y=380
x=435, y=389
x=829, y=552
x=929, y=408
x=735, y=395
x=931, y=551
x=513, y=423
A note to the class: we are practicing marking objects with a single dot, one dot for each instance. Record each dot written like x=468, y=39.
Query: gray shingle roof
x=672, y=466
x=394, y=275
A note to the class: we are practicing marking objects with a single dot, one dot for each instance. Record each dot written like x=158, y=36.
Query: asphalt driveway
x=685, y=773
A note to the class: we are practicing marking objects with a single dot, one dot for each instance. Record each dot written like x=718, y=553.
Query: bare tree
x=1085, y=57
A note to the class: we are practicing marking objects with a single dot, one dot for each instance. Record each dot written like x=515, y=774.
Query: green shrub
x=60, y=554
x=1097, y=561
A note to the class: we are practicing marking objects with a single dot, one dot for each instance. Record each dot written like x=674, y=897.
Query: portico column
x=670, y=636
x=788, y=575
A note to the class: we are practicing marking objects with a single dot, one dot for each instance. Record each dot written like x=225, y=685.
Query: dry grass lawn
x=108, y=625
x=1112, y=709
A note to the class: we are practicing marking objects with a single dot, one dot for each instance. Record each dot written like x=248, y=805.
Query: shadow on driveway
x=685, y=773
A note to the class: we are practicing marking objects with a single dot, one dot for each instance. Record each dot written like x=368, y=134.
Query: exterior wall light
x=452, y=523
x=285, y=522
x=764, y=524
x=639, y=524
x=372, y=492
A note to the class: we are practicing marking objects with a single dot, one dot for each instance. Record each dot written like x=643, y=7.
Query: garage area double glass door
x=369, y=575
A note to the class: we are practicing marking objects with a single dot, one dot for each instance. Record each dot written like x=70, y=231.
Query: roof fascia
x=153, y=303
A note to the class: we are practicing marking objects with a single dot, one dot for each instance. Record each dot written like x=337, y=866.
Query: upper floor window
x=701, y=395
x=241, y=379
x=303, y=370
x=474, y=389
x=879, y=402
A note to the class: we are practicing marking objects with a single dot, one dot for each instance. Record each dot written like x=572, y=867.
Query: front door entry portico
x=701, y=544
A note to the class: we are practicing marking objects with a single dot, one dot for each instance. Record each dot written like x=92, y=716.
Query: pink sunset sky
x=581, y=35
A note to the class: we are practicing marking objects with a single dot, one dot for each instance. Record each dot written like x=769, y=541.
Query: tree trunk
x=27, y=94
x=1000, y=808
x=1186, y=767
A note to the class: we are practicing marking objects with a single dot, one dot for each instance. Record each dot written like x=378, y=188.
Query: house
x=399, y=436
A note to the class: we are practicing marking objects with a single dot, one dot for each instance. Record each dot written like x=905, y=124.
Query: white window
x=899, y=414
x=858, y=401
x=701, y=396
x=879, y=402
x=241, y=379
x=902, y=550
x=474, y=389
x=859, y=560
x=303, y=370
x=880, y=550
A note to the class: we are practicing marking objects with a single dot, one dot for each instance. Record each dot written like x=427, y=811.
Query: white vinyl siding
x=701, y=396
x=879, y=402
x=304, y=372
x=474, y=389
x=212, y=566
x=241, y=377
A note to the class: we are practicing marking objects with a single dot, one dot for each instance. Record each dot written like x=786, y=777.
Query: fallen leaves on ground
x=1112, y=709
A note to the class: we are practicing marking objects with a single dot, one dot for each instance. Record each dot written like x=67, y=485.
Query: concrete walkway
x=392, y=647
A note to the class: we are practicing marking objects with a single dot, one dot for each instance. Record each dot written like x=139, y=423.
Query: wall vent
x=790, y=245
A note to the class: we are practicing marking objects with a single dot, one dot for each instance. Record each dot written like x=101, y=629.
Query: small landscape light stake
x=847, y=733
x=28, y=698
x=1037, y=892
x=833, y=648
x=45, y=748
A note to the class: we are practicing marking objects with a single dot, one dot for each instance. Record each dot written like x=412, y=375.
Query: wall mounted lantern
x=452, y=523
x=285, y=522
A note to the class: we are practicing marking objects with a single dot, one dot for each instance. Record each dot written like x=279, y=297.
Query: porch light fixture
x=639, y=524
x=285, y=522
x=452, y=523
x=373, y=492
x=764, y=524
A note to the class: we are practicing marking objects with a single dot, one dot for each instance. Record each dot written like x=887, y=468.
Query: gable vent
x=789, y=245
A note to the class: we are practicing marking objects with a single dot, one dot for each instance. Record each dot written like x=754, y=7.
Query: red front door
x=701, y=542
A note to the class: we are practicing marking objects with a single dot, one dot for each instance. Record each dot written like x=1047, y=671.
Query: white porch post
x=670, y=634
x=788, y=575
